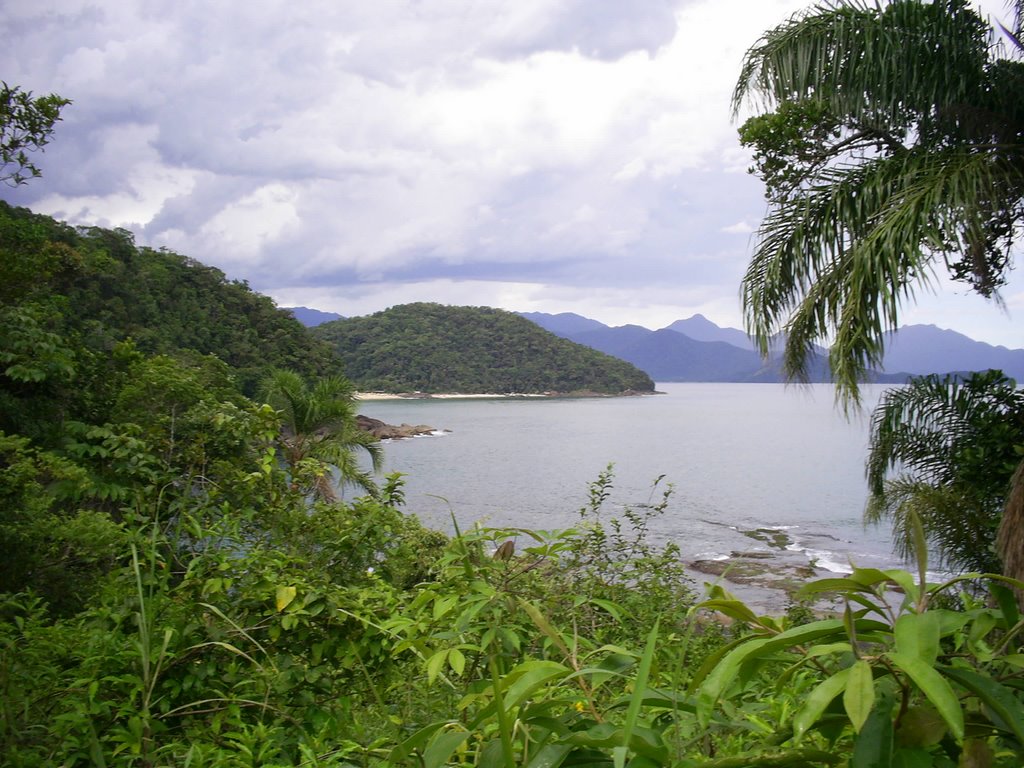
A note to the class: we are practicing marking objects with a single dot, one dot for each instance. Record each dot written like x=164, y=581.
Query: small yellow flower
x=579, y=706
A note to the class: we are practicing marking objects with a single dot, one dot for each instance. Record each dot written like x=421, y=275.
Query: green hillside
x=97, y=286
x=434, y=348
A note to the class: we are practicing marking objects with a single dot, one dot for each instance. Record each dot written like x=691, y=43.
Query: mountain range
x=696, y=349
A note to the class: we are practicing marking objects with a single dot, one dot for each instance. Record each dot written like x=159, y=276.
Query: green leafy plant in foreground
x=526, y=642
x=899, y=680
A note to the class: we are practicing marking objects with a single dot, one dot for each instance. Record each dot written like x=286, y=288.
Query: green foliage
x=435, y=348
x=899, y=680
x=26, y=125
x=96, y=286
x=319, y=433
x=891, y=147
x=956, y=444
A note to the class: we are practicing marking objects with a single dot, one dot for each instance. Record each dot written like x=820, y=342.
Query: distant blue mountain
x=564, y=323
x=695, y=349
x=922, y=349
x=699, y=328
x=667, y=355
x=312, y=317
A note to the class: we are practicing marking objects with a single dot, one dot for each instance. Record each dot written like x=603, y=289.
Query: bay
x=745, y=460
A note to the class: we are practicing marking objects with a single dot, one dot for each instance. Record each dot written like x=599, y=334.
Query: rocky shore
x=384, y=431
x=766, y=576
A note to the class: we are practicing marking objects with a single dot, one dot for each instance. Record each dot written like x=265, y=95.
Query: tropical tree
x=890, y=142
x=891, y=147
x=319, y=433
x=955, y=443
x=26, y=125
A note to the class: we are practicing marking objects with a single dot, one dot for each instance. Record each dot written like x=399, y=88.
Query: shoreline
x=366, y=396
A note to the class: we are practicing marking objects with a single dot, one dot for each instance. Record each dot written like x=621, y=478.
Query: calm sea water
x=741, y=457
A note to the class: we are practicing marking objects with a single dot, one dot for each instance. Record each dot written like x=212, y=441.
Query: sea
x=767, y=468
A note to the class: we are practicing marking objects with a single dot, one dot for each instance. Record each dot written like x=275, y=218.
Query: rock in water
x=383, y=431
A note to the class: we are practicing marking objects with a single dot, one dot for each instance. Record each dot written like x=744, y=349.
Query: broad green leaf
x=435, y=663
x=720, y=678
x=441, y=748
x=550, y=756
x=457, y=661
x=917, y=635
x=921, y=727
x=913, y=758
x=613, y=665
x=712, y=661
x=642, y=674
x=870, y=576
x=659, y=699
x=445, y=604
x=999, y=699
x=950, y=621
x=414, y=742
x=492, y=755
x=284, y=597
x=903, y=578
x=644, y=741
x=872, y=748
x=540, y=620
x=828, y=649
x=818, y=586
x=794, y=758
x=859, y=696
x=1014, y=659
x=534, y=674
x=723, y=675
x=734, y=609
x=935, y=688
x=1007, y=603
x=613, y=609
x=817, y=702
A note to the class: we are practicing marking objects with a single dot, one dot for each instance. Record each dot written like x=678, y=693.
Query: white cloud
x=529, y=150
x=739, y=228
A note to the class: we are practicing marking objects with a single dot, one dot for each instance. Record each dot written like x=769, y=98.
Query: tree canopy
x=26, y=125
x=435, y=348
x=319, y=433
x=953, y=445
x=97, y=285
x=890, y=143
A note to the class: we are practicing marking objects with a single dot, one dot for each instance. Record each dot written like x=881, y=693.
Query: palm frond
x=319, y=424
x=922, y=56
x=954, y=521
x=835, y=264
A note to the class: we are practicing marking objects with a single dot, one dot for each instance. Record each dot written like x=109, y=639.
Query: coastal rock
x=760, y=569
x=384, y=431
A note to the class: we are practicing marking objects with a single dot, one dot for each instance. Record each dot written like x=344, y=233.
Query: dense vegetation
x=180, y=583
x=435, y=348
x=891, y=145
x=95, y=287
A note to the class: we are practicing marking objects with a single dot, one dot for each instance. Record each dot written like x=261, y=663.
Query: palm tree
x=954, y=442
x=891, y=146
x=319, y=432
x=891, y=142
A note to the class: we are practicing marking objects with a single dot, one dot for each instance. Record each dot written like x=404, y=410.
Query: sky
x=349, y=155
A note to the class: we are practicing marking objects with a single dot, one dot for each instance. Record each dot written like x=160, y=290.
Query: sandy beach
x=428, y=396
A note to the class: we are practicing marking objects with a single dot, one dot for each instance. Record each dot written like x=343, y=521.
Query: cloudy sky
x=348, y=155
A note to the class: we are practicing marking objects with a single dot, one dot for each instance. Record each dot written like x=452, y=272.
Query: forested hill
x=434, y=348
x=98, y=286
